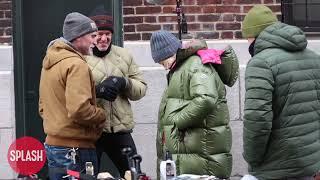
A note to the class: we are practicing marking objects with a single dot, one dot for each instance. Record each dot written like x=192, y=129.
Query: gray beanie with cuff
x=163, y=45
x=76, y=25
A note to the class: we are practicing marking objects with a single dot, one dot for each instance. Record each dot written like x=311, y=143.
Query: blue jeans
x=60, y=158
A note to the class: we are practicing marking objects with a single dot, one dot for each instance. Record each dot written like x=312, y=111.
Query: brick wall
x=5, y=22
x=208, y=19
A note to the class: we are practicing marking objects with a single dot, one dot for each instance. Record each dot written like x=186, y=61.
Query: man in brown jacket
x=67, y=101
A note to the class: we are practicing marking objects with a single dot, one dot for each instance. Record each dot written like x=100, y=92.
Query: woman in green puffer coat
x=193, y=115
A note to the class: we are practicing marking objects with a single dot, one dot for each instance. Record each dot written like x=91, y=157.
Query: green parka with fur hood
x=194, y=117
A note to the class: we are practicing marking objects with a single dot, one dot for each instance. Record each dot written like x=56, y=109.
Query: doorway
x=35, y=24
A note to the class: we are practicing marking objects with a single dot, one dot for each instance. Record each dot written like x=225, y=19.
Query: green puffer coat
x=282, y=108
x=118, y=62
x=194, y=118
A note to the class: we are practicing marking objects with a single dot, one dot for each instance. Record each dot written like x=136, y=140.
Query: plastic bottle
x=89, y=168
x=167, y=167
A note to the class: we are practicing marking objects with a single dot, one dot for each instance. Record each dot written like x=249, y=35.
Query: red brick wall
x=209, y=19
x=5, y=22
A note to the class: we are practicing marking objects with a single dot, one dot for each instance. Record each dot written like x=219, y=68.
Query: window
x=302, y=13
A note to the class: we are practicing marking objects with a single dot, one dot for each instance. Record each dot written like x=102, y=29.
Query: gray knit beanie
x=163, y=45
x=76, y=25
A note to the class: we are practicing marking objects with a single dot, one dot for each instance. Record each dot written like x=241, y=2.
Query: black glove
x=110, y=88
x=107, y=90
x=119, y=82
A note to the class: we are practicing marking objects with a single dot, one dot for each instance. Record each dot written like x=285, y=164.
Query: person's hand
x=110, y=88
x=119, y=82
x=107, y=90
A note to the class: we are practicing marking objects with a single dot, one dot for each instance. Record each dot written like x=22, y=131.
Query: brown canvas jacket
x=67, y=102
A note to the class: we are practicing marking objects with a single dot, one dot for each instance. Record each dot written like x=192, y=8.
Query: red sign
x=26, y=156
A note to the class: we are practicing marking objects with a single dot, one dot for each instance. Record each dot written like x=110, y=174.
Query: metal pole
x=178, y=11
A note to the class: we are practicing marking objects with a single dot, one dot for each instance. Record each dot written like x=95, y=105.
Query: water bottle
x=168, y=168
x=89, y=168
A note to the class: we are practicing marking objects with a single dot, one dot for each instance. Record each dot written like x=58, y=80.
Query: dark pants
x=60, y=158
x=112, y=144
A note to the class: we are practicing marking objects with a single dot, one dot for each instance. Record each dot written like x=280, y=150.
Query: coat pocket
x=173, y=139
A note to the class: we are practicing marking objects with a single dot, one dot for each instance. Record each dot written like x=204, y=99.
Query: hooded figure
x=193, y=115
x=67, y=101
x=281, y=132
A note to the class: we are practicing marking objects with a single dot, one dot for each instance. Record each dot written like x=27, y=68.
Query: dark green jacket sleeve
x=204, y=95
x=258, y=113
